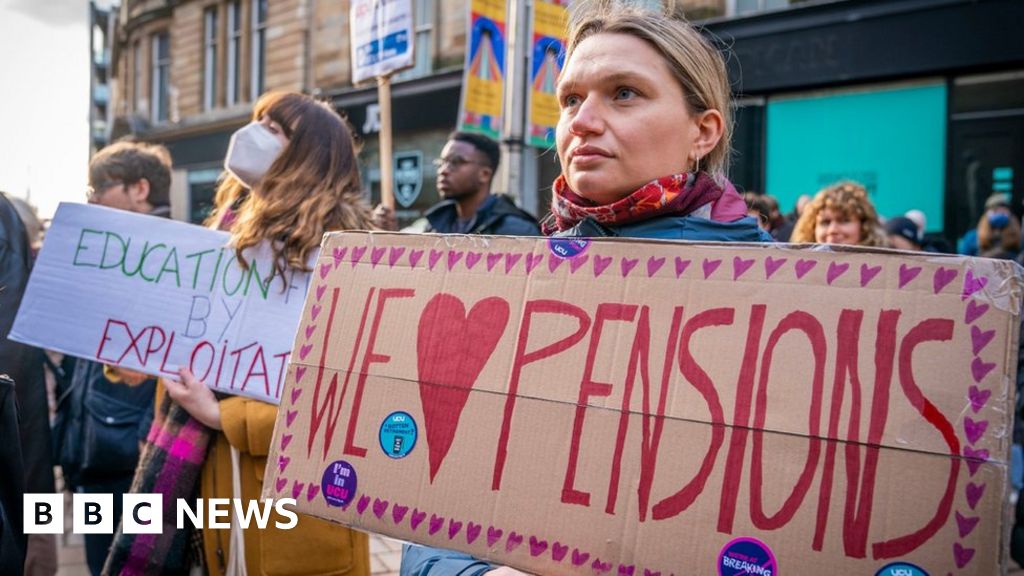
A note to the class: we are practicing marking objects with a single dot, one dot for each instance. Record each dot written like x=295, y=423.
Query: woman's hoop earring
x=696, y=164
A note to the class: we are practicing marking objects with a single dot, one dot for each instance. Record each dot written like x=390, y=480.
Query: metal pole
x=514, y=115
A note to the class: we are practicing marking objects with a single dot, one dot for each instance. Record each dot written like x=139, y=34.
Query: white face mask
x=252, y=150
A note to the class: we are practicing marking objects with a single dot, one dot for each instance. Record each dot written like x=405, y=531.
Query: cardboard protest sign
x=152, y=294
x=643, y=407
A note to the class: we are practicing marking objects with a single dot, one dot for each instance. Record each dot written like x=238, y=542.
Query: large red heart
x=452, y=348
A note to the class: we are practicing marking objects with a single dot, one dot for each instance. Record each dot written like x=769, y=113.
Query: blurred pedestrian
x=903, y=234
x=784, y=231
x=759, y=207
x=840, y=214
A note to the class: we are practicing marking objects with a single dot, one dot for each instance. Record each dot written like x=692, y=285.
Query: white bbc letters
x=44, y=514
x=143, y=514
x=92, y=513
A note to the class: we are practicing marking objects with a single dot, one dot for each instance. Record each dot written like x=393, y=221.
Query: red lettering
x=167, y=354
x=150, y=348
x=238, y=360
x=283, y=356
x=522, y=358
x=192, y=359
x=106, y=338
x=133, y=344
x=637, y=361
x=318, y=412
x=252, y=373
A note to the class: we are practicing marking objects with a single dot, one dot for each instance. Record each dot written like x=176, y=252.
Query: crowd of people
x=644, y=145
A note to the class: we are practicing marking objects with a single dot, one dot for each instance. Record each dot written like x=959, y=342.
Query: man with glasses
x=131, y=176
x=465, y=171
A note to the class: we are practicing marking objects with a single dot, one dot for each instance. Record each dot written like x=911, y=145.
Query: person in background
x=998, y=233
x=840, y=214
x=291, y=175
x=784, y=230
x=643, y=138
x=760, y=207
x=902, y=233
x=968, y=245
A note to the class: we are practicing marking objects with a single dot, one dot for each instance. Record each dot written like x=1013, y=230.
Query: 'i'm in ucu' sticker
x=568, y=247
x=339, y=484
x=747, y=556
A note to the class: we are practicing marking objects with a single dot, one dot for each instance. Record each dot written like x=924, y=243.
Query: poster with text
x=382, y=38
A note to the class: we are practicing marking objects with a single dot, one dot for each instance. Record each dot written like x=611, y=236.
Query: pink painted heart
x=513, y=542
x=579, y=558
x=972, y=285
x=290, y=416
x=376, y=254
x=296, y=392
x=558, y=551
x=395, y=255
x=281, y=483
x=974, y=430
x=414, y=257
x=772, y=265
x=472, y=532
x=364, y=502
x=453, y=258
x=285, y=441
x=943, y=276
x=980, y=339
x=554, y=262
x=379, y=507
x=452, y=348
x=978, y=397
x=310, y=330
x=626, y=570
x=965, y=525
x=908, y=273
x=868, y=273
x=626, y=265
x=835, y=270
x=537, y=546
x=304, y=351
x=320, y=292
x=974, y=492
x=511, y=260
x=601, y=567
x=311, y=492
x=493, y=535
x=282, y=462
x=325, y=269
x=315, y=311
x=338, y=254
x=600, y=263
x=980, y=369
x=297, y=488
x=975, y=458
x=299, y=373
x=974, y=311
x=472, y=258
x=648, y=572
x=681, y=266
x=532, y=260
x=803, y=267
x=740, y=266
x=398, y=513
x=653, y=265
x=577, y=261
x=962, y=555
x=493, y=259
x=433, y=258
x=357, y=255
x=417, y=519
x=454, y=527
x=436, y=523
x=710, y=266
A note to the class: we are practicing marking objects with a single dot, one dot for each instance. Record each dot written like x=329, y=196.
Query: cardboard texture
x=642, y=407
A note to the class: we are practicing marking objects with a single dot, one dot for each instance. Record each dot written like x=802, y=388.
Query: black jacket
x=498, y=215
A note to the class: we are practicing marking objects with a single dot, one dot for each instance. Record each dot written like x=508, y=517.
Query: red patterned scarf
x=675, y=195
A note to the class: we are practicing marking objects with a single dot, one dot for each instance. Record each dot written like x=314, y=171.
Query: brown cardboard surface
x=845, y=409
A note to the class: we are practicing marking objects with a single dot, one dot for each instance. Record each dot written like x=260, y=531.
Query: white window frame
x=160, y=95
x=258, y=48
x=423, y=40
x=232, y=93
x=210, y=58
x=138, y=69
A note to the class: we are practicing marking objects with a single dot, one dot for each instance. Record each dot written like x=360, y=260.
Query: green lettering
x=264, y=287
x=199, y=259
x=106, y=244
x=172, y=257
x=81, y=247
x=242, y=276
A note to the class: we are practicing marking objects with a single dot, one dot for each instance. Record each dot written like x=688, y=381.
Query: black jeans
x=12, y=485
x=97, y=546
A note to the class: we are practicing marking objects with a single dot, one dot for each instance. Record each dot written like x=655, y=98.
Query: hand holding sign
x=195, y=397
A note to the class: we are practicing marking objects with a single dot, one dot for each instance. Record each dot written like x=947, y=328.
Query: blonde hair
x=846, y=199
x=694, y=62
x=312, y=187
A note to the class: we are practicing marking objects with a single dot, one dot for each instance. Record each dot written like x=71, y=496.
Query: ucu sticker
x=568, y=247
x=901, y=569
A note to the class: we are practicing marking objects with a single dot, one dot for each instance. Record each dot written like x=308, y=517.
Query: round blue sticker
x=339, y=484
x=901, y=569
x=568, y=247
x=398, y=434
x=747, y=556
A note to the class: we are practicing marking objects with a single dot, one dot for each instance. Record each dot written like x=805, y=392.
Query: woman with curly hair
x=840, y=214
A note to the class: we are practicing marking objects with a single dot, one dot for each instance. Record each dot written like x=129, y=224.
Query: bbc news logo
x=144, y=513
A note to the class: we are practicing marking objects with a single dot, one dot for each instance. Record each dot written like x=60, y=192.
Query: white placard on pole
x=151, y=295
x=382, y=38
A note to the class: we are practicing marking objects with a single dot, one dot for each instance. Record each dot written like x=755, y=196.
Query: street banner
x=648, y=407
x=483, y=80
x=152, y=294
x=382, y=38
x=547, y=57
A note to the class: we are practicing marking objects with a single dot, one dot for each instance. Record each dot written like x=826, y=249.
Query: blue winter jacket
x=427, y=561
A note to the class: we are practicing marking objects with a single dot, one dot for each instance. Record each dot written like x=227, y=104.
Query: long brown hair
x=312, y=187
x=847, y=199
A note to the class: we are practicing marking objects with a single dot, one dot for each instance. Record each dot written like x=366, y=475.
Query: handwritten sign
x=382, y=38
x=630, y=407
x=152, y=294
